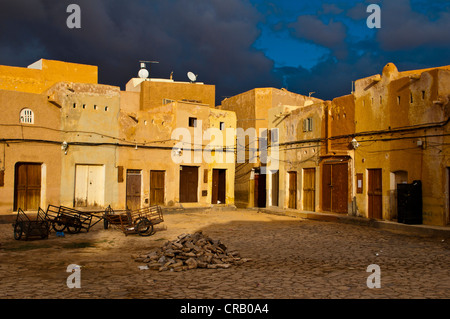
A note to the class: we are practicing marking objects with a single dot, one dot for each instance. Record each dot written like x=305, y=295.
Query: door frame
x=41, y=186
x=373, y=194
x=126, y=185
x=313, y=189
x=102, y=181
x=163, y=188
x=218, y=186
x=328, y=192
x=193, y=192
x=292, y=197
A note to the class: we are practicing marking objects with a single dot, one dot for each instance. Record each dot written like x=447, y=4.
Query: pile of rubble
x=190, y=251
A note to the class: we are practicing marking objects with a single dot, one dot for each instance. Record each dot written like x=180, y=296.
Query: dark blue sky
x=304, y=46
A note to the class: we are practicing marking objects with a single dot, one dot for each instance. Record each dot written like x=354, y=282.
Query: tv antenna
x=143, y=72
x=192, y=76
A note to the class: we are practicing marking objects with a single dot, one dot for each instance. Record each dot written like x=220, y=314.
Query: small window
x=167, y=101
x=27, y=116
x=423, y=95
x=411, y=97
x=222, y=126
x=106, y=109
x=192, y=122
x=398, y=100
x=308, y=124
x=84, y=106
x=74, y=105
x=95, y=107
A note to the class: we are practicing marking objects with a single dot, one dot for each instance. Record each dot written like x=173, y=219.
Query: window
x=423, y=95
x=167, y=101
x=308, y=124
x=222, y=126
x=192, y=122
x=27, y=116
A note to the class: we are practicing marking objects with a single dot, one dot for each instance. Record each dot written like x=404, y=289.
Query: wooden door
x=89, y=186
x=309, y=189
x=188, y=184
x=218, y=186
x=335, y=187
x=374, y=193
x=275, y=187
x=259, y=189
x=326, y=187
x=27, y=191
x=157, y=187
x=292, y=190
x=339, y=201
x=133, y=196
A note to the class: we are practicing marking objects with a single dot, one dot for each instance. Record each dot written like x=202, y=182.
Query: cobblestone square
x=291, y=258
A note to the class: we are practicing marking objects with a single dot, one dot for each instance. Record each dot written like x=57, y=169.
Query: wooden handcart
x=65, y=218
x=140, y=221
x=26, y=227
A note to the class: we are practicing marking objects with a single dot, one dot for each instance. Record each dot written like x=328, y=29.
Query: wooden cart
x=65, y=218
x=140, y=221
x=26, y=227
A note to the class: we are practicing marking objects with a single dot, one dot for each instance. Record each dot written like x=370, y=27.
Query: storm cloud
x=230, y=43
x=211, y=38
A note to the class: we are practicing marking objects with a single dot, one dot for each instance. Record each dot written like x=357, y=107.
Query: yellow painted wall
x=152, y=130
x=46, y=127
x=44, y=74
x=396, y=100
x=252, y=111
x=153, y=93
x=88, y=116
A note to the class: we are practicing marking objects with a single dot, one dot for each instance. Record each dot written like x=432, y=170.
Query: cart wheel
x=75, y=227
x=58, y=225
x=17, y=231
x=144, y=227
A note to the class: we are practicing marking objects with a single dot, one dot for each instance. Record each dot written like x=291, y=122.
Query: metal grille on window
x=27, y=116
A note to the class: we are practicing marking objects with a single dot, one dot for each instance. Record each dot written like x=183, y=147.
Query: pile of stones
x=191, y=251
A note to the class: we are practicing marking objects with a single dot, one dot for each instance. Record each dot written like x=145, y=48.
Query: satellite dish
x=192, y=76
x=143, y=73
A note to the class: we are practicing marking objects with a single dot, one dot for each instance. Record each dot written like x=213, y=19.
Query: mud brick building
x=67, y=140
x=371, y=152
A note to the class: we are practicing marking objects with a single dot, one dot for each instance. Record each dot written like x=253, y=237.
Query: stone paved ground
x=292, y=258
